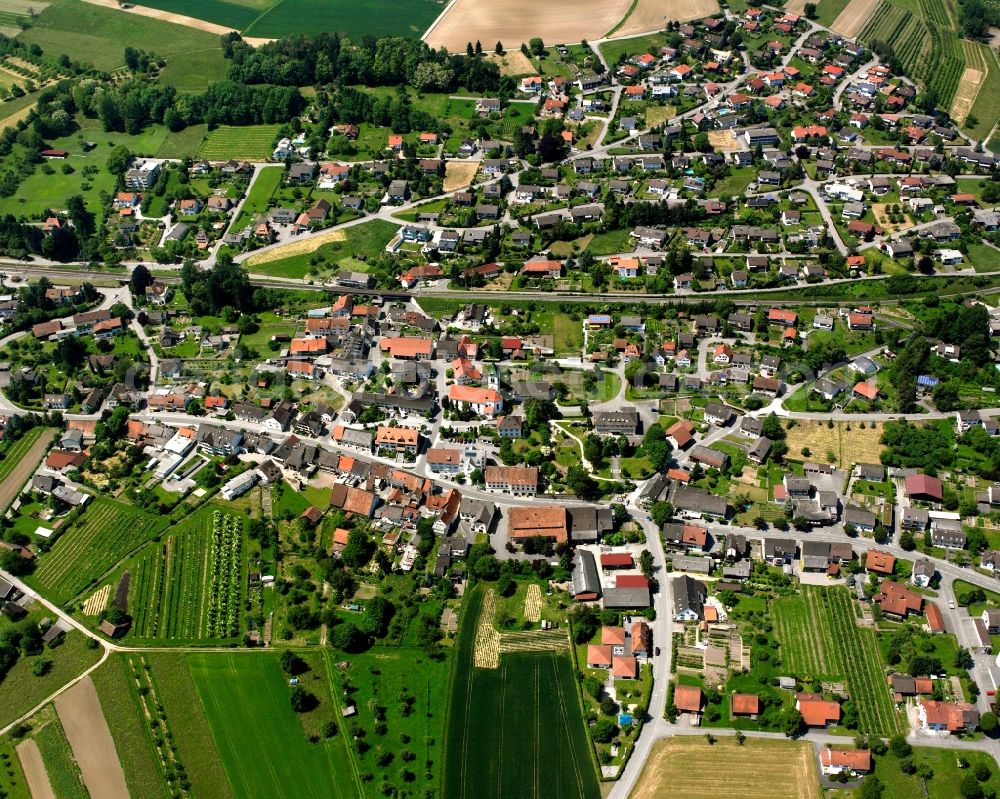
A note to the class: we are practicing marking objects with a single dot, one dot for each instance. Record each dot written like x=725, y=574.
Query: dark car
x=656, y=651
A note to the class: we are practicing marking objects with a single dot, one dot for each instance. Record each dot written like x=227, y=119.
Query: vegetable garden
x=105, y=534
x=189, y=587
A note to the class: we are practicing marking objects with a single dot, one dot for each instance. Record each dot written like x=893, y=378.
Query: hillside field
x=97, y=36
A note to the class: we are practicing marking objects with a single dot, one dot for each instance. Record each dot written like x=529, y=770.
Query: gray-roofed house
x=689, y=598
x=586, y=579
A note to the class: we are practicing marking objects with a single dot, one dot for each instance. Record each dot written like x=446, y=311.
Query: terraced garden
x=189, y=588
x=106, y=533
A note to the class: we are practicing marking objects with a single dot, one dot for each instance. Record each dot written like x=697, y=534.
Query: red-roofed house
x=854, y=761
x=779, y=316
x=947, y=716
x=617, y=560
x=879, y=562
x=631, y=581
x=599, y=657
x=745, y=705
x=923, y=487
x=688, y=698
x=816, y=711
x=866, y=391
x=624, y=667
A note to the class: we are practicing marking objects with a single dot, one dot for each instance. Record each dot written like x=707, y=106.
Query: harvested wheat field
x=34, y=770
x=86, y=730
x=853, y=18
x=849, y=446
x=533, y=604
x=880, y=210
x=513, y=22
x=459, y=174
x=300, y=247
x=97, y=602
x=725, y=142
x=513, y=62
x=795, y=7
x=651, y=15
x=691, y=768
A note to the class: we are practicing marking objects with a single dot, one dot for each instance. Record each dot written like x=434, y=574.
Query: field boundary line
x=436, y=21
x=621, y=23
x=565, y=723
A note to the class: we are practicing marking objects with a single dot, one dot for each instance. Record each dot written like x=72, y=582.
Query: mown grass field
x=12, y=781
x=233, y=15
x=258, y=200
x=360, y=242
x=517, y=730
x=96, y=35
x=251, y=143
x=21, y=690
x=353, y=17
x=116, y=690
x=105, y=534
x=828, y=10
x=245, y=699
x=188, y=724
x=636, y=45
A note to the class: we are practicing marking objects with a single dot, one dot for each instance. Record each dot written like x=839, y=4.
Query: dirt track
x=34, y=770
x=853, y=18
x=651, y=15
x=515, y=21
x=80, y=712
x=10, y=487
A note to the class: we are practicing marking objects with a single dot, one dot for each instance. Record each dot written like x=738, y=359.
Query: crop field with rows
x=105, y=534
x=863, y=666
x=189, y=588
x=803, y=627
x=515, y=730
x=924, y=41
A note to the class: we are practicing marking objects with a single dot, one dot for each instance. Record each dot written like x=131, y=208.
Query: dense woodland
x=329, y=59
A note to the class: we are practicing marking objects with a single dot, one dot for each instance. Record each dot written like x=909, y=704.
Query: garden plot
x=191, y=586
